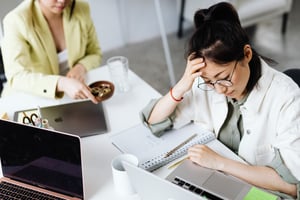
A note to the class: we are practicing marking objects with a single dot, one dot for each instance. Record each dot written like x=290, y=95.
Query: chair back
x=294, y=73
x=2, y=74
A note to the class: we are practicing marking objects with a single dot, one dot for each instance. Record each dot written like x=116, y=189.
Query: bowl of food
x=102, y=90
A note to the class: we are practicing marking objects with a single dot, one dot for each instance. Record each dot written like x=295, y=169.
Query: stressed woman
x=229, y=89
x=48, y=47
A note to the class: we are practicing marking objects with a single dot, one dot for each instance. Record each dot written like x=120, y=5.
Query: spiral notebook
x=151, y=150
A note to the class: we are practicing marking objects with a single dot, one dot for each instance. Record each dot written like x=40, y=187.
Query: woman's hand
x=192, y=71
x=75, y=89
x=166, y=105
x=206, y=157
x=260, y=176
x=78, y=72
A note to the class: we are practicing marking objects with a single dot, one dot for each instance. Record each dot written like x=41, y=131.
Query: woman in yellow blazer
x=48, y=47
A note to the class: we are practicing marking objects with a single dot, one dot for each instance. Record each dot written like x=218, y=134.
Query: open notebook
x=151, y=150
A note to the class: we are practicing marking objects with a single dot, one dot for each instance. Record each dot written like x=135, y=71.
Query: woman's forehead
x=212, y=69
x=212, y=65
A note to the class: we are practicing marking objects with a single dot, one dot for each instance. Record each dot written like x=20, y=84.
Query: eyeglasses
x=207, y=86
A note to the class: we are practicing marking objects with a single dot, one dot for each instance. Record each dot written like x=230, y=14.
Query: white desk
x=97, y=151
x=122, y=110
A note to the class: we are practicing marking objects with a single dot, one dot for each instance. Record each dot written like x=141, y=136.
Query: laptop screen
x=41, y=157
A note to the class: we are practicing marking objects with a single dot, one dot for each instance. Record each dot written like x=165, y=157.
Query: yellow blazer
x=29, y=52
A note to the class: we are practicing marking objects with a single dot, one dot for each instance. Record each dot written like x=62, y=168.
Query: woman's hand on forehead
x=192, y=71
x=196, y=65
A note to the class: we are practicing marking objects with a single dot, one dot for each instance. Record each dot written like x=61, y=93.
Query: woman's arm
x=163, y=109
x=261, y=176
x=166, y=105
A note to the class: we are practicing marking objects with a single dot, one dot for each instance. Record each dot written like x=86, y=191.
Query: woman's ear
x=247, y=53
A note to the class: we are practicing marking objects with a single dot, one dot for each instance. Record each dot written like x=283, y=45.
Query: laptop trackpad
x=224, y=186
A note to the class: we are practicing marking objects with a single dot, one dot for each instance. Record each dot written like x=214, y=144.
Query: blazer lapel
x=71, y=28
x=45, y=37
x=73, y=36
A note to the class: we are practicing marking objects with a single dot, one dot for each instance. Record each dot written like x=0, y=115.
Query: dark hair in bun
x=219, y=37
x=219, y=12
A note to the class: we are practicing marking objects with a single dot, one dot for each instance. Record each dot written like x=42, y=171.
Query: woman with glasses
x=48, y=47
x=229, y=89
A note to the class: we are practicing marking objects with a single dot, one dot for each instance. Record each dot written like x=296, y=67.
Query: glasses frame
x=222, y=82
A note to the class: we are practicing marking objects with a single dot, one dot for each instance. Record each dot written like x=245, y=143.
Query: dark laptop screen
x=41, y=157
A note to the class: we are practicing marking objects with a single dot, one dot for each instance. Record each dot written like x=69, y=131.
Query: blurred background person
x=48, y=47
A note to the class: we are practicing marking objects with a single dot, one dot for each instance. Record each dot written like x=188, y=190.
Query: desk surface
x=122, y=110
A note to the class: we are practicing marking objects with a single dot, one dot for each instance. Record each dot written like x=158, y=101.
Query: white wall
x=119, y=22
x=107, y=23
x=6, y=6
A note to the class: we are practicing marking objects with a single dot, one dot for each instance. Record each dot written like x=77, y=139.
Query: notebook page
x=151, y=150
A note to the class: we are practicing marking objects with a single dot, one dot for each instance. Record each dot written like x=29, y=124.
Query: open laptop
x=82, y=118
x=219, y=185
x=190, y=181
x=40, y=160
x=214, y=182
x=151, y=187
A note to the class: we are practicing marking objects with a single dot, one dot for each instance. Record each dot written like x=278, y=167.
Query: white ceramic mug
x=120, y=177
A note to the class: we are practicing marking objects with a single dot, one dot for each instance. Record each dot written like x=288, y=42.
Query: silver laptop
x=151, y=187
x=43, y=162
x=190, y=181
x=82, y=118
x=212, y=184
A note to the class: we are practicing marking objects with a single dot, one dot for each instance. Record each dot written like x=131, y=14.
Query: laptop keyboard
x=12, y=192
x=195, y=189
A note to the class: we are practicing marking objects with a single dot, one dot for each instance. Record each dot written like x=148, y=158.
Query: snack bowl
x=102, y=90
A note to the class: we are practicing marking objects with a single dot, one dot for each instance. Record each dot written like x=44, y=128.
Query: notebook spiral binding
x=161, y=160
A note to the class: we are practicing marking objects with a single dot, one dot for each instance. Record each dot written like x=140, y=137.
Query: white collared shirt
x=271, y=118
